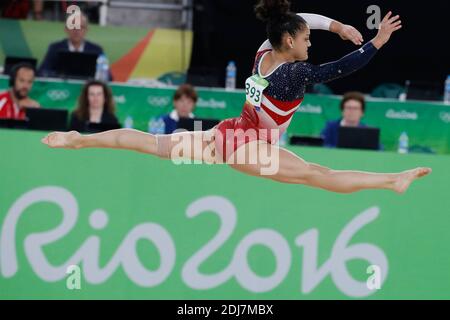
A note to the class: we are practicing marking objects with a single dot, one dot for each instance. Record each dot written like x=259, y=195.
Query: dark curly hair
x=279, y=19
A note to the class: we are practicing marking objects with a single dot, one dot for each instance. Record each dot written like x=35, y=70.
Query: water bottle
x=102, y=70
x=156, y=126
x=152, y=126
x=230, y=80
x=283, y=139
x=161, y=126
x=129, y=122
x=403, y=142
x=447, y=91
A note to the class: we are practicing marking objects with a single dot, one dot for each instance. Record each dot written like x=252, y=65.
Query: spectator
x=352, y=106
x=95, y=105
x=19, y=9
x=38, y=8
x=14, y=101
x=184, y=101
x=74, y=43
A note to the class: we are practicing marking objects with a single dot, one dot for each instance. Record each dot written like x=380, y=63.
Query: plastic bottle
x=403, y=143
x=447, y=91
x=152, y=126
x=283, y=139
x=102, y=70
x=161, y=126
x=230, y=80
x=129, y=122
x=156, y=126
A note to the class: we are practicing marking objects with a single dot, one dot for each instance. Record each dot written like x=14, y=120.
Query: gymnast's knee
x=163, y=146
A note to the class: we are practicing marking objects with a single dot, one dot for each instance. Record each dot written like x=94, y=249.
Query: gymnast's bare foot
x=405, y=178
x=67, y=140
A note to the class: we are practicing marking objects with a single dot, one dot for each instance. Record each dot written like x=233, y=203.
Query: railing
x=185, y=7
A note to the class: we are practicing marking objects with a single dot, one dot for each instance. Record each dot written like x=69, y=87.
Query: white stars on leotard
x=289, y=81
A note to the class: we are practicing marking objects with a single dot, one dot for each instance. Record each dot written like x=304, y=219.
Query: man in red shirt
x=14, y=101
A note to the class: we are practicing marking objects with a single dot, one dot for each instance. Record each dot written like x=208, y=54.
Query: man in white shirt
x=75, y=42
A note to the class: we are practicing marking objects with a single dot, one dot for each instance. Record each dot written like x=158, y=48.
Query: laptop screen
x=47, y=119
x=76, y=65
x=196, y=124
x=10, y=62
x=359, y=138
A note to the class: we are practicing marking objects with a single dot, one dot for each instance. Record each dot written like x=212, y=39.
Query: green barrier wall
x=144, y=228
x=427, y=124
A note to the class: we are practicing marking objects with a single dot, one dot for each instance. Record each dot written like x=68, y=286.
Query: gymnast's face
x=299, y=45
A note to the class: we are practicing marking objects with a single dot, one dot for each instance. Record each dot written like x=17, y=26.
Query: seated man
x=14, y=101
x=184, y=101
x=74, y=43
x=352, y=106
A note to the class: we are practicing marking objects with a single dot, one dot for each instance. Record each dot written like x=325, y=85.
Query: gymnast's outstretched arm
x=305, y=73
x=319, y=22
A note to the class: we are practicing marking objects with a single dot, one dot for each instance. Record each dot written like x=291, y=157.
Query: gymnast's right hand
x=387, y=27
x=68, y=140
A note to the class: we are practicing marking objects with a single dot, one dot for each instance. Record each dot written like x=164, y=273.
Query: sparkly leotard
x=281, y=99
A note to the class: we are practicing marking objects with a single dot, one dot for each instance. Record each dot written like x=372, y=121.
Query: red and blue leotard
x=282, y=98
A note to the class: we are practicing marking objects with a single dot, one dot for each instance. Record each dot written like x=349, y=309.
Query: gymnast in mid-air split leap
x=274, y=92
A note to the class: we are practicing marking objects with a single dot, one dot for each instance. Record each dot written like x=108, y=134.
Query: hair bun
x=267, y=10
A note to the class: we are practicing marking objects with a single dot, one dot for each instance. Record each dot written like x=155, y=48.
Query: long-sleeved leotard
x=282, y=97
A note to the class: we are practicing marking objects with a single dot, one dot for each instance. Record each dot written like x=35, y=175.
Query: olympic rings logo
x=58, y=95
x=158, y=101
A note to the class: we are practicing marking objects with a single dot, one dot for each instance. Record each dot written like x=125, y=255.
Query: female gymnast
x=273, y=93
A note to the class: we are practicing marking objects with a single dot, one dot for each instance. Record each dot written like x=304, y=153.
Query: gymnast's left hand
x=347, y=32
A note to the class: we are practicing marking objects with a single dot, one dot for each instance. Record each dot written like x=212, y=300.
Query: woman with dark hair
x=95, y=105
x=274, y=92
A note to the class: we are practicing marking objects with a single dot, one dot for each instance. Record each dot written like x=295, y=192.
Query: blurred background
x=227, y=30
x=211, y=45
